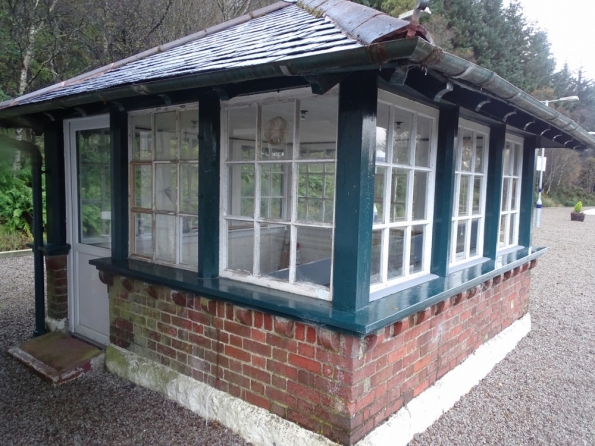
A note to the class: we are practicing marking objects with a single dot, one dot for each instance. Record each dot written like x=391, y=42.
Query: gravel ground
x=543, y=393
x=98, y=409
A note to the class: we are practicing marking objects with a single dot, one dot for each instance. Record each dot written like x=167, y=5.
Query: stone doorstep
x=58, y=357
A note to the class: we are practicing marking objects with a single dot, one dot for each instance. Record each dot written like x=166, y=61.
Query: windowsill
x=376, y=315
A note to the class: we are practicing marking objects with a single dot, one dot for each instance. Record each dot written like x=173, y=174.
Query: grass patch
x=13, y=241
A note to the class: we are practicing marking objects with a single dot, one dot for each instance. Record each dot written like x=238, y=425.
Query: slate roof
x=279, y=35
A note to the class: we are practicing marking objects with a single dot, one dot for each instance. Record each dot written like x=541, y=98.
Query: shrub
x=578, y=207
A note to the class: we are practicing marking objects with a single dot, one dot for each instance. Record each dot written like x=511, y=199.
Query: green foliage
x=569, y=196
x=13, y=241
x=578, y=207
x=16, y=202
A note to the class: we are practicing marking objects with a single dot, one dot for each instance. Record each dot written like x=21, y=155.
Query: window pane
x=274, y=251
x=166, y=187
x=479, y=149
x=382, y=126
x=402, y=136
x=417, y=248
x=142, y=145
x=516, y=168
x=503, y=229
x=316, y=189
x=464, y=195
x=143, y=234
x=422, y=142
x=242, y=133
x=460, y=246
x=318, y=127
x=474, y=246
x=277, y=130
x=396, y=242
x=467, y=151
x=143, y=186
x=166, y=136
x=240, y=246
x=513, y=192
x=241, y=190
x=505, y=192
x=313, y=256
x=189, y=185
x=512, y=230
x=420, y=188
x=165, y=238
x=189, y=241
x=376, y=256
x=506, y=158
x=189, y=134
x=398, y=199
x=379, y=181
x=476, y=195
x=274, y=187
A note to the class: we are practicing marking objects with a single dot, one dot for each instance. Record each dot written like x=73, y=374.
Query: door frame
x=71, y=126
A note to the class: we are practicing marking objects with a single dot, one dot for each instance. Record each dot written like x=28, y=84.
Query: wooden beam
x=119, y=179
x=356, y=148
x=494, y=190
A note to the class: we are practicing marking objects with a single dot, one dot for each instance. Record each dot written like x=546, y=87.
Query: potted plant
x=578, y=214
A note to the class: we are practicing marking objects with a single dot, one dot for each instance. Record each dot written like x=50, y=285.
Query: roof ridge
x=155, y=50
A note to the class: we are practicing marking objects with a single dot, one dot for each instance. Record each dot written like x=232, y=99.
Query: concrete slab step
x=58, y=357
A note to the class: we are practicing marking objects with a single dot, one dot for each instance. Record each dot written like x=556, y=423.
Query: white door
x=88, y=190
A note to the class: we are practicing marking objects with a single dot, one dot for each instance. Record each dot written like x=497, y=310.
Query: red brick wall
x=57, y=287
x=335, y=384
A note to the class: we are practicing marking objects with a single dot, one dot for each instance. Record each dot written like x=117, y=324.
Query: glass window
x=278, y=184
x=164, y=186
x=403, y=208
x=469, y=201
x=511, y=192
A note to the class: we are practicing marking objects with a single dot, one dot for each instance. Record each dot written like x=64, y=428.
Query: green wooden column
x=209, y=155
x=356, y=147
x=53, y=139
x=119, y=177
x=448, y=128
x=494, y=190
x=527, y=191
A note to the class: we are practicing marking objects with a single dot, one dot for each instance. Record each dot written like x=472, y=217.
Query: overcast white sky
x=570, y=25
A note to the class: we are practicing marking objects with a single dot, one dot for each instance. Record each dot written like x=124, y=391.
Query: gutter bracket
x=447, y=89
x=508, y=115
x=481, y=104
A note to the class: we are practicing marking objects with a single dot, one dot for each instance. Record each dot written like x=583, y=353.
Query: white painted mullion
x=413, y=139
x=468, y=238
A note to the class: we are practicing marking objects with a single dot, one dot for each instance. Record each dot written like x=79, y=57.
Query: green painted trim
x=55, y=188
x=55, y=250
x=448, y=128
x=374, y=316
x=209, y=116
x=494, y=190
x=527, y=191
x=354, y=201
x=119, y=178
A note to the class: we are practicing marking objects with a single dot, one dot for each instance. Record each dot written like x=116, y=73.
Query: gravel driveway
x=543, y=393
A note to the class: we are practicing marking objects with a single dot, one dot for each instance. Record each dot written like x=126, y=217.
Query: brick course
x=335, y=384
x=57, y=287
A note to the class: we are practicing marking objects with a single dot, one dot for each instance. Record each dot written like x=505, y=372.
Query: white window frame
x=153, y=162
x=292, y=222
x=387, y=286
x=507, y=211
x=459, y=173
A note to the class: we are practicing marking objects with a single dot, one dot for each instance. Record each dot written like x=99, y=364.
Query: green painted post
x=448, y=128
x=55, y=194
x=527, y=191
x=356, y=147
x=119, y=177
x=209, y=155
x=494, y=190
